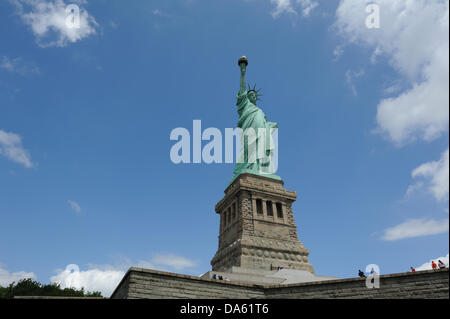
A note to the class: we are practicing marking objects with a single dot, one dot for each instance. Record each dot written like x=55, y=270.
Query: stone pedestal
x=257, y=228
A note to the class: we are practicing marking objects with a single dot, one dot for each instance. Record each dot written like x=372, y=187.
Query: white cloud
x=338, y=52
x=11, y=147
x=393, y=87
x=157, y=12
x=427, y=265
x=74, y=205
x=438, y=174
x=375, y=54
x=104, y=280
x=350, y=76
x=416, y=228
x=288, y=6
x=148, y=265
x=307, y=6
x=413, y=188
x=17, y=65
x=414, y=36
x=6, y=278
x=282, y=6
x=173, y=261
x=47, y=19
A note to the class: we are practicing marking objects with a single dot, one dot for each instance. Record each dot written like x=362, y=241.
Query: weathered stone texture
x=141, y=283
x=263, y=238
x=424, y=284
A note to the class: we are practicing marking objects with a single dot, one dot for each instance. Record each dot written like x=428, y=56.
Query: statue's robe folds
x=256, y=145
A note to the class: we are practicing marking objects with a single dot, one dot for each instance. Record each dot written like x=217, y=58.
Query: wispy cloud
x=350, y=77
x=74, y=206
x=157, y=12
x=282, y=6
x=307, y=6
x=412, y=189
x=338, y=52
x=47, y=19
x=18, y=66
x=162, y=19
x=291, y=6
x=173, y=261
x=416, y=228
x=437, y=174
x=11, y=147
x=113, y=24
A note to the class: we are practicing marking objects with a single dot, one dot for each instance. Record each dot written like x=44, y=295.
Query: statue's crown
x=254, y=90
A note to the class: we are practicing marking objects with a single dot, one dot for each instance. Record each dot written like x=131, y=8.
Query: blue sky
x=85, y=118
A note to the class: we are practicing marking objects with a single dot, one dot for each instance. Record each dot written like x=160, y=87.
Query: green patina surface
x=256, y=154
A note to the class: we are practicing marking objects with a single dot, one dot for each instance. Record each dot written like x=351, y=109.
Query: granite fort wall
x=141, y=283
x=423, y=284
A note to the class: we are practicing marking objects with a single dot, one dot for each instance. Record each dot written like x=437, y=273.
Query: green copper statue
x=257, y=146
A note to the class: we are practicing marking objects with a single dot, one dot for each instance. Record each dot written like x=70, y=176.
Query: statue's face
x=252, y=97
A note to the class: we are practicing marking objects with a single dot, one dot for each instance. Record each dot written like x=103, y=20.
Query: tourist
x=441, y=264
x=214, y=276
x=361, y=274
x=413, y=269
x=433, y=264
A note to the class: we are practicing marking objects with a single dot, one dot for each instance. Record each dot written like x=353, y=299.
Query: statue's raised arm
x=243, y=62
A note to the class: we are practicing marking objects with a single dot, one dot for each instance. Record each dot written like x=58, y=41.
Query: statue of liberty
x=257, y=146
